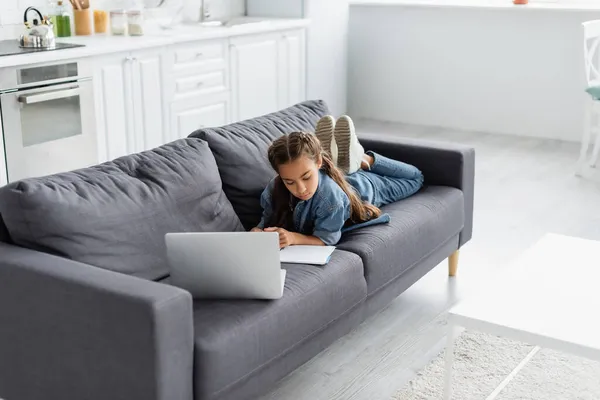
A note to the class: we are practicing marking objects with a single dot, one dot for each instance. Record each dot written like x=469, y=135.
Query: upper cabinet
x=128, y=93
x=267, y=73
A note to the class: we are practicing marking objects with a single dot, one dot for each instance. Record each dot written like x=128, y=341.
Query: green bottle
x=63, y=21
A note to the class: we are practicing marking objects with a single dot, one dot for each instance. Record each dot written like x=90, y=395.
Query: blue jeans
x=387, y=181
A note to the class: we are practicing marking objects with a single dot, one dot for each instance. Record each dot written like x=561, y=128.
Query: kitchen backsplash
x=11, y=12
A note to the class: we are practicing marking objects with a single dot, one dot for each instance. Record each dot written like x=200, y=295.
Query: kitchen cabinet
x=267, y=73
x=196, y=85
x=255, y=73
x=128, y=93
x=292, y=64
x=190, y=115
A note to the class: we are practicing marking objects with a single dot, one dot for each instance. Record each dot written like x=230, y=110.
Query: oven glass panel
x=49, y=72
x=50, y=120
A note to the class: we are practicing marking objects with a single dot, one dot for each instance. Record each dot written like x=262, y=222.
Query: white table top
x=550, y=297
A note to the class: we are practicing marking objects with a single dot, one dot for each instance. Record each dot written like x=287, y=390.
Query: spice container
x=135, y=22
x=100, y=21
x=118, y=22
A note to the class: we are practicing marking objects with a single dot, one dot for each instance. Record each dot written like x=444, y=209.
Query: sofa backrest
x=240, y=150
x=3, y=231
x=115, y=215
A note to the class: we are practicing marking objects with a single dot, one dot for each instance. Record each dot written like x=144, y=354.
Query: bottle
x=63, y=20
x=52, y=14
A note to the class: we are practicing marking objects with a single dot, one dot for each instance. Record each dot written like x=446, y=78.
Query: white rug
x=483, y=361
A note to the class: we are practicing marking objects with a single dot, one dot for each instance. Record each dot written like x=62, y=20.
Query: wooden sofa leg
x=453, y=263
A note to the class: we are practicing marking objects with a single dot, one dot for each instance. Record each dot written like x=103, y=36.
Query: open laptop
x=226, y=265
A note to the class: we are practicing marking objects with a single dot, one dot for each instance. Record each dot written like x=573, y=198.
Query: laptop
x=226, y=265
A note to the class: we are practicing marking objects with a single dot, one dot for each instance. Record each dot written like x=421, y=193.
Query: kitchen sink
x=232, y=23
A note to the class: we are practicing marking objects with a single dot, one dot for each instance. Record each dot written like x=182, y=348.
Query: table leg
x=452, y=335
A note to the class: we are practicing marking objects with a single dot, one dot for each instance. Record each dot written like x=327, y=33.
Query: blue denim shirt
x=323, y=215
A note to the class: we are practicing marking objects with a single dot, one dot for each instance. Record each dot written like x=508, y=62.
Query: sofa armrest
x=441, y=163
x=73, y=331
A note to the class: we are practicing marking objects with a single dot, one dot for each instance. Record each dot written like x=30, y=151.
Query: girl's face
x=301, y=177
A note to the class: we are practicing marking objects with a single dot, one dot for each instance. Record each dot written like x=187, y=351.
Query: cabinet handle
x=199, y=54
x=129, y=58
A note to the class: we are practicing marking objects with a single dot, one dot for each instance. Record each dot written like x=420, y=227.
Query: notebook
x=315, y=255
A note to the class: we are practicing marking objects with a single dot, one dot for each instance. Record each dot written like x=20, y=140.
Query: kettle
x=40, y=34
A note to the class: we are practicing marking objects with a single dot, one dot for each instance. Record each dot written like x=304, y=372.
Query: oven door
x=49, y=130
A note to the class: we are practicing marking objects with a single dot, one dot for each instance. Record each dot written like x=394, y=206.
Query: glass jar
x=100, y=21
x=118, y=22
x=135, y=22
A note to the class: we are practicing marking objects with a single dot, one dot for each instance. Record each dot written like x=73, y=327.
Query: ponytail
x=359, y=211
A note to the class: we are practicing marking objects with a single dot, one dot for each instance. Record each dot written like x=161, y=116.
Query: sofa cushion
x=235, y=338
x=241, y=153
x=418, y=226
x=115, y=215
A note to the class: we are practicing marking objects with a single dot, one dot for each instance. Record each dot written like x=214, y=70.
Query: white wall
x=514, y=71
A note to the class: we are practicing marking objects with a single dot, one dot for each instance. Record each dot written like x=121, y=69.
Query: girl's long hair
x=289, y=148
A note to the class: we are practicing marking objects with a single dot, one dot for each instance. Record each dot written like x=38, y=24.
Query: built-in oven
x=48, y=121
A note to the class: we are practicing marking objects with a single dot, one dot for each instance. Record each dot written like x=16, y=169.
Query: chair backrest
x=591, y=43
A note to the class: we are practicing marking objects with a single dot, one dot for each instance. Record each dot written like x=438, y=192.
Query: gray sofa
x=86, y=309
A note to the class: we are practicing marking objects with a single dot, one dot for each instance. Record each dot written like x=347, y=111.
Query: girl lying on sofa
x=314, y=199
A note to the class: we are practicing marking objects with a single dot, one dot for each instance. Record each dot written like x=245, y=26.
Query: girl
x=311, y=202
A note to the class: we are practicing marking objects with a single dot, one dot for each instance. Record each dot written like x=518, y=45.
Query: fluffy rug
x=483, y=361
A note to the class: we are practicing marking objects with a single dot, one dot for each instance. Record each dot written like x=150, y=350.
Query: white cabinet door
x=293, y=68
x=255, y=75
x=190, y=115
x=113, y=108
x=147, y=100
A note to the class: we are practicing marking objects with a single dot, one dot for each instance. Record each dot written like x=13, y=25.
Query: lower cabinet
x=268, y=73
x=192, y=114
x=129, y=112
x=146, y=98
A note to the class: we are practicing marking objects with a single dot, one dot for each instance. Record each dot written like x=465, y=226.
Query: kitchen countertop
x=106, y=44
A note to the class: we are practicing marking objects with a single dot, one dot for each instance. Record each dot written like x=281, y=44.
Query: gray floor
x=524, y=188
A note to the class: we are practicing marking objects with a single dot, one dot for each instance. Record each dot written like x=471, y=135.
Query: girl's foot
x=349, y=150
x=324, y=131
x=366, y=162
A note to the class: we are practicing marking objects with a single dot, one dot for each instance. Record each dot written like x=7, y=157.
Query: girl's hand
x=256, y=229
x=286, y=238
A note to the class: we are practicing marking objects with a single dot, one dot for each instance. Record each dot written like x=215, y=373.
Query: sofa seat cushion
x=241, y=153
x=235, y=338
x=418, y=226
x=115, y=215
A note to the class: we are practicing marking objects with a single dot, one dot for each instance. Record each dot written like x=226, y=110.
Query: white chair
x=591, y=51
